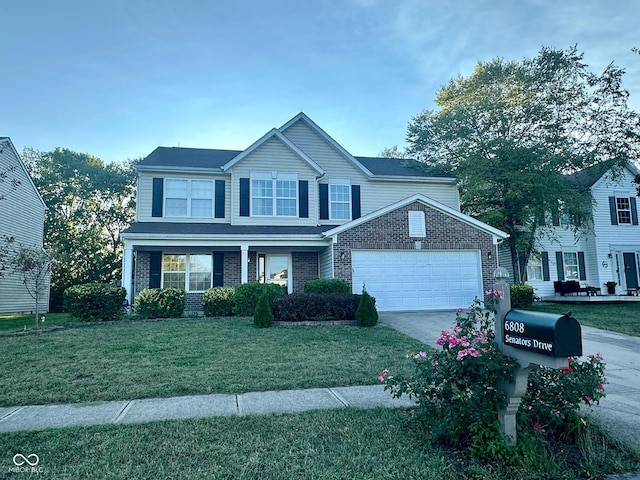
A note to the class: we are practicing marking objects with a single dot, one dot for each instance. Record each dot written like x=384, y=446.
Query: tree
x=512, y=131
x=89, y=203
x=33, y=264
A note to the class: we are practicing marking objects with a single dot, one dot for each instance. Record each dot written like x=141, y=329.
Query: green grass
x=615, y=317
x=146, y=359
x=10, y=323
x=331, y=444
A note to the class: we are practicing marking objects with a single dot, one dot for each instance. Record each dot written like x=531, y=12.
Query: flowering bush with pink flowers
x=554, y=397
x=457, y=387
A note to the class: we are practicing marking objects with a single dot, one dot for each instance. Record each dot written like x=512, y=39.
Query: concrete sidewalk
x=39, y=417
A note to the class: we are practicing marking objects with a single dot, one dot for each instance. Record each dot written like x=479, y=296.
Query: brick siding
x=305, y=267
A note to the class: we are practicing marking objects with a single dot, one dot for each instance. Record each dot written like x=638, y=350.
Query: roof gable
x=588, y=177
x=498, y=234
x=274, y=133
x=6, y=143
x=325, y=136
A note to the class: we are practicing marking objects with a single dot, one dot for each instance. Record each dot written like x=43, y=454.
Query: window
x=623, y=210
x=340, y=199
x=571, y=270
x=534, y=268
x=285, y=201
x=193, y=273
x=274, y=269
x=188, y=198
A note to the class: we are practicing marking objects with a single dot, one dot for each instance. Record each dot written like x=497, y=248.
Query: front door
x=275, y=268
x=630, y=269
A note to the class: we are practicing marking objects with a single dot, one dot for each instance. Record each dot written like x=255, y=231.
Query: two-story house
x=22, y=215
x=296, y=206
x=608, y=251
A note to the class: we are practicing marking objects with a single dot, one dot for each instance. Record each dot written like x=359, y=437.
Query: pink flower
x=457, y=328
x=422, y=354
x=600, y=387
x=570, y=360
x=537, y=426
x=460, y=310
x=566, y=370
x=385, y=372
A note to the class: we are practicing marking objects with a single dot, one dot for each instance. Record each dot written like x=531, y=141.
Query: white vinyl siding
x=22, y=213
x=373, y=194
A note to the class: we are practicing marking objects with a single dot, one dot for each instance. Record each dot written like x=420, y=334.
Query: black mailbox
x=543, y=333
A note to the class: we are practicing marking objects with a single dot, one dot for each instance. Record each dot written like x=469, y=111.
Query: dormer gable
x=274, y=133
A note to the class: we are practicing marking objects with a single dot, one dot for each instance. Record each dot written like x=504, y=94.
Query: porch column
x=127, y=270
x=244, y=263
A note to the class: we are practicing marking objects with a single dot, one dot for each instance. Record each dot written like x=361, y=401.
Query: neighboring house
x=22, y=215
x=609, y=251
x=296, y=206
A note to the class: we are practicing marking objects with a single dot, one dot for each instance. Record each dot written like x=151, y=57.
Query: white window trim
x=187, y=272
x=274, y=177
x=417, y=224
x=344, y=182
x=188, y=198
x=618, y=210
x=266, y=258
x=564, y=265
x=532, y=267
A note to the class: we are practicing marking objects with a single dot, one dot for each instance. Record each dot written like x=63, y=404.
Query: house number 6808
x=514, y=327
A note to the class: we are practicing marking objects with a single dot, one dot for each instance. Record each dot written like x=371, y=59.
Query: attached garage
x=418, y=279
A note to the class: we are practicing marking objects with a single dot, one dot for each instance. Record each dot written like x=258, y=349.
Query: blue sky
x=118, y=78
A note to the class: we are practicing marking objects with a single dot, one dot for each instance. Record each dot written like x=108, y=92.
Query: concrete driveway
x=619, y=410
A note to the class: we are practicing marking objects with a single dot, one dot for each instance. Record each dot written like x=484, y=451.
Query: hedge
x=218, y=302
x=301, y=307
x=160, y=303
x=327, y=285
x=94, y=301
x=521, y=295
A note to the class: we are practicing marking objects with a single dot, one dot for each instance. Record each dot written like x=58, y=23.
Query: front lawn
x=21, y=322
x=145, y=359
x=331, y=444
x=616, y=317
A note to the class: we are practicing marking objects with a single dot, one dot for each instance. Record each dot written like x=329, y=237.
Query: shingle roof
x=590, y=175
x=188, y=157
x=174, y=228
x=397, y=167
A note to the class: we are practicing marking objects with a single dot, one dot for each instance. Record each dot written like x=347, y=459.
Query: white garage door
x=418, y=280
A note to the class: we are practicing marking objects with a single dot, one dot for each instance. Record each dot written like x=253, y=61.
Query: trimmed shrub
x=327, y=285
x=301, y=307
x=366, y=314
x=246, y=296
x=218, y=302
x=262, y=316
x=95, y=301
x=521, y=295
x=160, y=303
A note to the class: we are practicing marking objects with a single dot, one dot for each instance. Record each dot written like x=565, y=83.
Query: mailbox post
x=532, y=338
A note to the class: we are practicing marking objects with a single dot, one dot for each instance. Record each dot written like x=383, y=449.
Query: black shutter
x=560, y=265
x=522, y=265
x=244, y=197
x=155, y=269
x=303, y=199
x=156, y=197
x=218, y=269
x=355, y=202
x=545, y=266
x=634, y=210
x=581, y=266
x=612, y=210
x=324, y=201
x=555, y=219
x=219, y=199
